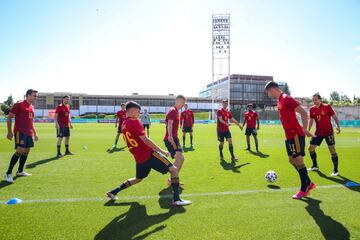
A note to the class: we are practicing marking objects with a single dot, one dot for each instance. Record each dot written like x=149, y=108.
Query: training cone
x=14, y=201
x=352, y=184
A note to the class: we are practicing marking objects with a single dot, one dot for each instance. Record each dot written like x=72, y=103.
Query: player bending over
x=295, y=134
x=321, y=113
x=223, y=131
x=147, y=155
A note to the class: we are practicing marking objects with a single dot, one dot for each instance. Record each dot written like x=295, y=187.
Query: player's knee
x=173, y=170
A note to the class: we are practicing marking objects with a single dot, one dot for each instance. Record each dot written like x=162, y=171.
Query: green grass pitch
x=64, y=199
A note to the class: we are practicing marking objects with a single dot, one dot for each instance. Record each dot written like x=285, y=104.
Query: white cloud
x=357, y=48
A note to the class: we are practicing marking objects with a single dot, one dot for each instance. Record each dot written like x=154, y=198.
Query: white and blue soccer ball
x=271, y=176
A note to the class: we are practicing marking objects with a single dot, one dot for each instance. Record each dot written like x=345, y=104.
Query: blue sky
x=161, y=47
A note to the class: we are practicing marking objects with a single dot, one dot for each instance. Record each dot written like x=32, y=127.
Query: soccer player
x=295, y=134
x=171, y=138
x=63, y=124
x=187, y=123
x=252, y=124
x=24, y=132
x=322, y=113
x=120, y=117
x=223, y=131
x=147, y=155
x=145, y=120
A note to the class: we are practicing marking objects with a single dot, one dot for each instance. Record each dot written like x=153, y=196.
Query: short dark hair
x=317, y=95
x=181, y=96
x=271, y=84
x=132, y=104
x=66, y=96
x=225, y=100
x=123, y=104
x=250, y=105
x=30, y=91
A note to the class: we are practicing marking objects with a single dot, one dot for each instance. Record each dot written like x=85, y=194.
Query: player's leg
x=296, y=151
x=117, y=138
x=142, y=171
x=22, y=161
x=14, y=159
x=231, y=148
x=191, y=138
x=221, y=145
x=247, y=134
x=330, y=140
x=59, y=140
x=256, y=140
x=184, y=137
x=314, y=142
x=148, y=130
x=161, y=164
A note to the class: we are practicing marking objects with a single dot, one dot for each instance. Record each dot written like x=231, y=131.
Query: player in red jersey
x=63, y=124
x=322, y=113
x=147, y=155
x=24, y=133
x=120, y=117
x=223, y=131
x=171, y=139
x=187, y=123
x=251, y=120
x=295, y=134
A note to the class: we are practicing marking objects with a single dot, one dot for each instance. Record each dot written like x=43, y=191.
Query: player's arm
x=236, y=122
x=9, y=125
x=153, y=145
x=56, y=120
x=222, y=121
x=304, y=119
x=337, y=122
x=169, y=130
x=244, y=122
x=258, y=123
x=70, y=124
x=311, y=122
x=116, y=121
x=192, y=118
x=35, y=134
x=181, y=120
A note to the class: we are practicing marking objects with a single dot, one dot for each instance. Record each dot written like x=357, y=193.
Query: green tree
x=345, y=99
x=9, y=101
x=287, y=89
x=335, y=96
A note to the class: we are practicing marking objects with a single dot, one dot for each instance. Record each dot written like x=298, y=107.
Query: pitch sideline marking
x=168, y=196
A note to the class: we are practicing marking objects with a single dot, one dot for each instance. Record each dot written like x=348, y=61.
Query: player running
x=147, y=155
x=251, y=120
x=145, y=120
x=295, y=134
x=187, y=123
x=120, y=117
x=24, y=132
x=223, y=131
x=321, y=113
x=63, y=124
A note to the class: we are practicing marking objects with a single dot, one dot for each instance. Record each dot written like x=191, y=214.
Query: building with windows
x=244, y=89
x=86, y=103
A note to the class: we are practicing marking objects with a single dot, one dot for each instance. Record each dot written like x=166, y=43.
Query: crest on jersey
x=323, y=113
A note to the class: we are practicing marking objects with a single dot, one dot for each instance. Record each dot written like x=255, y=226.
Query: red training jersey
x=132, y=129
x=250, y=118
x=173, y=114
x=286, y=107
x=24, y=117
x=121, y=115
x=187, y=118
x=322, y=116
x=226, y=115
x=63, y=112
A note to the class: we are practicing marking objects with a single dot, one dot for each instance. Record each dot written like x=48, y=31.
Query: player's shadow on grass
x=232, y=166
x=340, y=180
x=259, y=154
x=135, y=221
x=329, y=227
x=40, y=162
x=274, y=187
x=112, y=150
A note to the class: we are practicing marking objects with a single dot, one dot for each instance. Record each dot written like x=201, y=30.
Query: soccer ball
x=271, y=176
